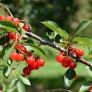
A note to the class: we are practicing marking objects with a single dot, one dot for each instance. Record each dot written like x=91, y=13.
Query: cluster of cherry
x=68, y=61
x=21, y=53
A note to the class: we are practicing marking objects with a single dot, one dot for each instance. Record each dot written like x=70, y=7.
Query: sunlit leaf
x=54, y=27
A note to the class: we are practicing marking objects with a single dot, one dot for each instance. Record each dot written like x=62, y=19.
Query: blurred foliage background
x=68, y=14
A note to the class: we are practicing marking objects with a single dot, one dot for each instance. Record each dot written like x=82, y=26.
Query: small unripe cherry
x=20, y=57
x=26, y=27
x=40, y=62
x=72, y=65
x=60, y=58
x=26, y=71
x=30, y=60
x=13, y=56
x=16, y=21
x=2, y=17
x=79, y=52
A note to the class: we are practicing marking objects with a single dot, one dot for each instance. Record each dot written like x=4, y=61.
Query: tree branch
x=54, y=45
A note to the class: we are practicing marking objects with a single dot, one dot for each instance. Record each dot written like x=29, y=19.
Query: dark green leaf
x=6, y=71
x=24, y=80
x=54, y=27
x=82, y=26
x=69, y=77
x=21, y=87
x=4, y=40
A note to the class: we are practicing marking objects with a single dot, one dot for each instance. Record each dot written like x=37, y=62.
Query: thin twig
x=54, y=45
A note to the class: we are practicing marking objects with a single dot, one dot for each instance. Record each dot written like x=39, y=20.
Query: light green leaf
x=83, y=25
x=24, y=80
x=83, y=88
x=54, y=27
x=21, y=87
x=6, y=71
x=8, y=53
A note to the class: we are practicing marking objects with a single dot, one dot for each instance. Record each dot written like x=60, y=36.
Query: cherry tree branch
x=54, y=45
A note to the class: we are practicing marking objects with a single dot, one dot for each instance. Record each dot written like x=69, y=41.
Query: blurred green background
x=68, y=14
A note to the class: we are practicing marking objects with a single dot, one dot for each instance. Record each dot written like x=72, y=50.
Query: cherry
x=12, y=35
x=26, y=27
x=2, y=18
x=41, y=62
x=16, y=21
x=28, y=53
x=20, y=57
x=30, y=60
x=79, y=52
x=72, y=65
x=60, y=58
x=14, y=56
x=9, y=18
x=66, y=61
x=26, y=71
x=90, y=88
x=35, y=66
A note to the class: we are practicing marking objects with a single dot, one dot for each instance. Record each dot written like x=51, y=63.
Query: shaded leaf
x=21, y=87
x=54, y=27
x=69, y=77
x=6, y=71
x=83, y=25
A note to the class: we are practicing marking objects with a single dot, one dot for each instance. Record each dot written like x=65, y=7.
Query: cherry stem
x=54, y=45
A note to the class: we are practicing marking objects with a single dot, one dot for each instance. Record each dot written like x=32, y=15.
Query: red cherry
x=26, y=71
x=90, y=88
x=26, y=27
x=10, y=35
x=60, y=58
x=14, y=36
x=30, y=60
x=79, y=52
x=35, y=66
x=16, y=21
x=41, y=62
x=28, y=53
x=9, y=18
x=2, y=18
x=14, y=56
x=66, y=61
x=20, y=57
x=72, y=65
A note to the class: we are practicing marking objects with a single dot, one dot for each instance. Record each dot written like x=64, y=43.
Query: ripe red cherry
x=16, y=21
x=41, y=62
x=35, y=66
x=30, y=60
x=10, y=35
x=90, y=88
x=26, y=71
x=14, y=36
x=20, y=57
x=79, y=52
x=60, y=58
x=9, y=18
x=2, y=18
x=66, y=61
x=14, y=56
x=26, y=27
x=72, y=65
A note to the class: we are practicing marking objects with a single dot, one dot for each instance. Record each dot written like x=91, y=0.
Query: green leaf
x=83, y=25
x=6, y=71
x=54, y=27
x=69, y=77
x=9, y=26
x=83, y=88
x=38, y=49
x=89, y=70
x=24, y=80
x=21, y=87
x=2, y=32
x=8, y=53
